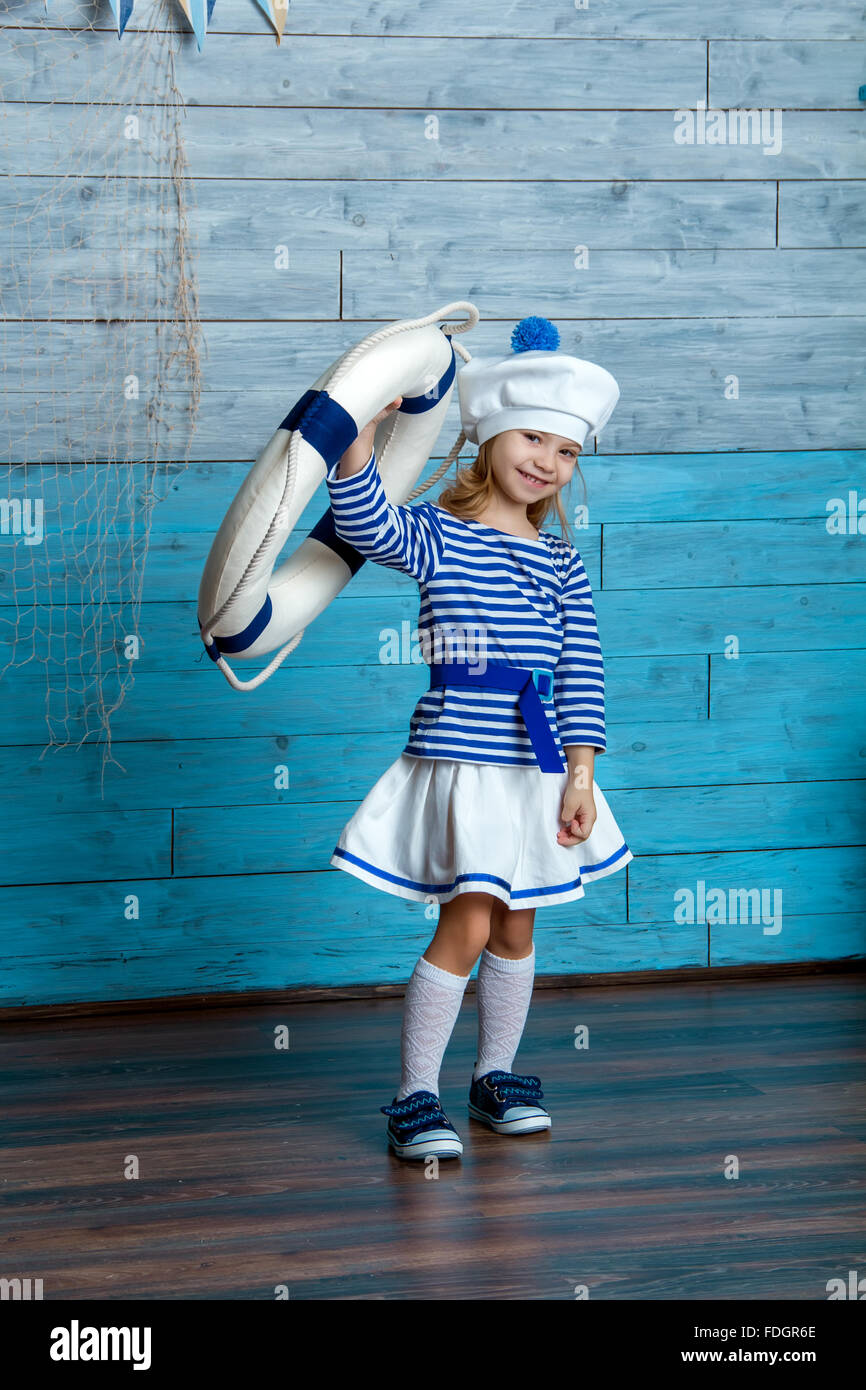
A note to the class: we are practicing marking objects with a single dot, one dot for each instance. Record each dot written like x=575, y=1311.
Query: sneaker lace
x=514, y=1086
x=419, y=1108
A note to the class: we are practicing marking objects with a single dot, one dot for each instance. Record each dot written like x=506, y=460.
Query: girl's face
x=527, y=464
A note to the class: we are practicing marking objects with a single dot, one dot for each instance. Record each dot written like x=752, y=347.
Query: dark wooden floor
x=260, y=1167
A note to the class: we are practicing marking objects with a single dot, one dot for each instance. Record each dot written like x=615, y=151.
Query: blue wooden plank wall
x=722, y=283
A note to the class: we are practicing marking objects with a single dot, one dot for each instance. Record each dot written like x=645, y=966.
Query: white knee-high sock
x=504, y=991
x=433, y=999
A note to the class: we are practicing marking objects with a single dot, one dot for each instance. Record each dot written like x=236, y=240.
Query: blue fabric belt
x=502, y=675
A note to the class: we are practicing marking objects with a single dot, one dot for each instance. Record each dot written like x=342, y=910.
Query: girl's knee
x=464, y=927
x=511, y=931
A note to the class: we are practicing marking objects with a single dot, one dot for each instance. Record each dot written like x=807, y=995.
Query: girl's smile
x=534, y=481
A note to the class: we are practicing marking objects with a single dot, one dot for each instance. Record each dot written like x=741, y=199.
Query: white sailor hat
x=535, y=387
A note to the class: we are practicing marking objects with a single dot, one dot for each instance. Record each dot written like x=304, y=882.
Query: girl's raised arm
x=404, y=538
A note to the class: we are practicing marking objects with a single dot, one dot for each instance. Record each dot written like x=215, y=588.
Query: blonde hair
x=473, y=489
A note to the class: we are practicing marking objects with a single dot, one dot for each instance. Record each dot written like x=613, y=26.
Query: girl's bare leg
x=462, y=932
x=510, y=931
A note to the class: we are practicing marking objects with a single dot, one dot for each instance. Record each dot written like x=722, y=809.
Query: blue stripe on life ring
x=323, y=423
x=239, y=641
x=416, y=405
x=297, y=410
x=325, y=531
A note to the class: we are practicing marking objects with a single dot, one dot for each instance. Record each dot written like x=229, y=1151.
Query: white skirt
x=432, y=828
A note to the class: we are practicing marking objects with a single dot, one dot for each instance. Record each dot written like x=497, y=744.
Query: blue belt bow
x=534, y=684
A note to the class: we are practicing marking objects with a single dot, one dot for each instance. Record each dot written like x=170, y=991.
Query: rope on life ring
x=252, y=571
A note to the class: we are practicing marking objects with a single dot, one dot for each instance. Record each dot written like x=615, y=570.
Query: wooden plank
x=772, y=618
x=761, y=816
x=799, y=382
x=799, y=683
x=761, y=748
x=371, y=698
x=216, y=769
x=816, y=74
x=715, y=486
x=241, y=217
x=240, y=283
x=615, y=284
x=822, y=213
x=818, y=936
x=764, y=19
x=706, y=553
x=84, y=847
x=365, y=71
x=824, y=879
x=317, y=142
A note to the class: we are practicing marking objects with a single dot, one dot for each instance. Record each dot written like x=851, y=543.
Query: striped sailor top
x=524, y=601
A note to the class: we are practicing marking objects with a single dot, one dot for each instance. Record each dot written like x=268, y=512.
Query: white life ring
x=245, y=607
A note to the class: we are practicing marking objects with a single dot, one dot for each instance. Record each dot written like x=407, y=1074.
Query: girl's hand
x=578, y=814
x=368, y=433
x=358, y=452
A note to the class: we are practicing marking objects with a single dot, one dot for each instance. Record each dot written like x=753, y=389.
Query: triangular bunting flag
x=122, y=11
x=198, y=12
x=276, y=11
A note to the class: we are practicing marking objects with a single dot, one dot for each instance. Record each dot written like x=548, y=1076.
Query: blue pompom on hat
x=535, y=387
x=534, y=333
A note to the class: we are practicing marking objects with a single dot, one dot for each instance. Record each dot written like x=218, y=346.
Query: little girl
x=492, y=808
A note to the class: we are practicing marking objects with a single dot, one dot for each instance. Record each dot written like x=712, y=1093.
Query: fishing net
x=101, y=353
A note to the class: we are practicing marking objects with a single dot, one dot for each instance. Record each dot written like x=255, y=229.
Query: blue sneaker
x=418, y=1126
x=508, y=1103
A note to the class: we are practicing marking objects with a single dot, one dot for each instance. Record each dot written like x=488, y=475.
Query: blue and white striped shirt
x=529, y=602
